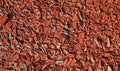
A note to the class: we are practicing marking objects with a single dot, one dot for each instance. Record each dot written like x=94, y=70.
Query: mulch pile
x=59, y=35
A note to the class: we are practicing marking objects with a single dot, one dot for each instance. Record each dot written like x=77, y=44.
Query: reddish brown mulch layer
x=59, y=35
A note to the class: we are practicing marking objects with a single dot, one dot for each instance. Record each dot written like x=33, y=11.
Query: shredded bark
x=59, y=35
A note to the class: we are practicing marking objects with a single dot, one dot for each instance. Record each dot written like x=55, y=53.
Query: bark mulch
x=59, y=35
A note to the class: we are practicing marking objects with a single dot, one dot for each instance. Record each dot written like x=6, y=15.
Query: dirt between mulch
x=59, y=35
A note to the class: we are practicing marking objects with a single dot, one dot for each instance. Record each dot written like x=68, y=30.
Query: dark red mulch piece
x=59, y=35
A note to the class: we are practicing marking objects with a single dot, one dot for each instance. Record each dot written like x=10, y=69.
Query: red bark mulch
x=59, y=35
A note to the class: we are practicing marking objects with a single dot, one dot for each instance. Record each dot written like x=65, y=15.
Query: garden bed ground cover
x=59, y=35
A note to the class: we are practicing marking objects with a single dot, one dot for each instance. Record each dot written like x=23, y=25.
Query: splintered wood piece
x=15, y=56
x=3, y=20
